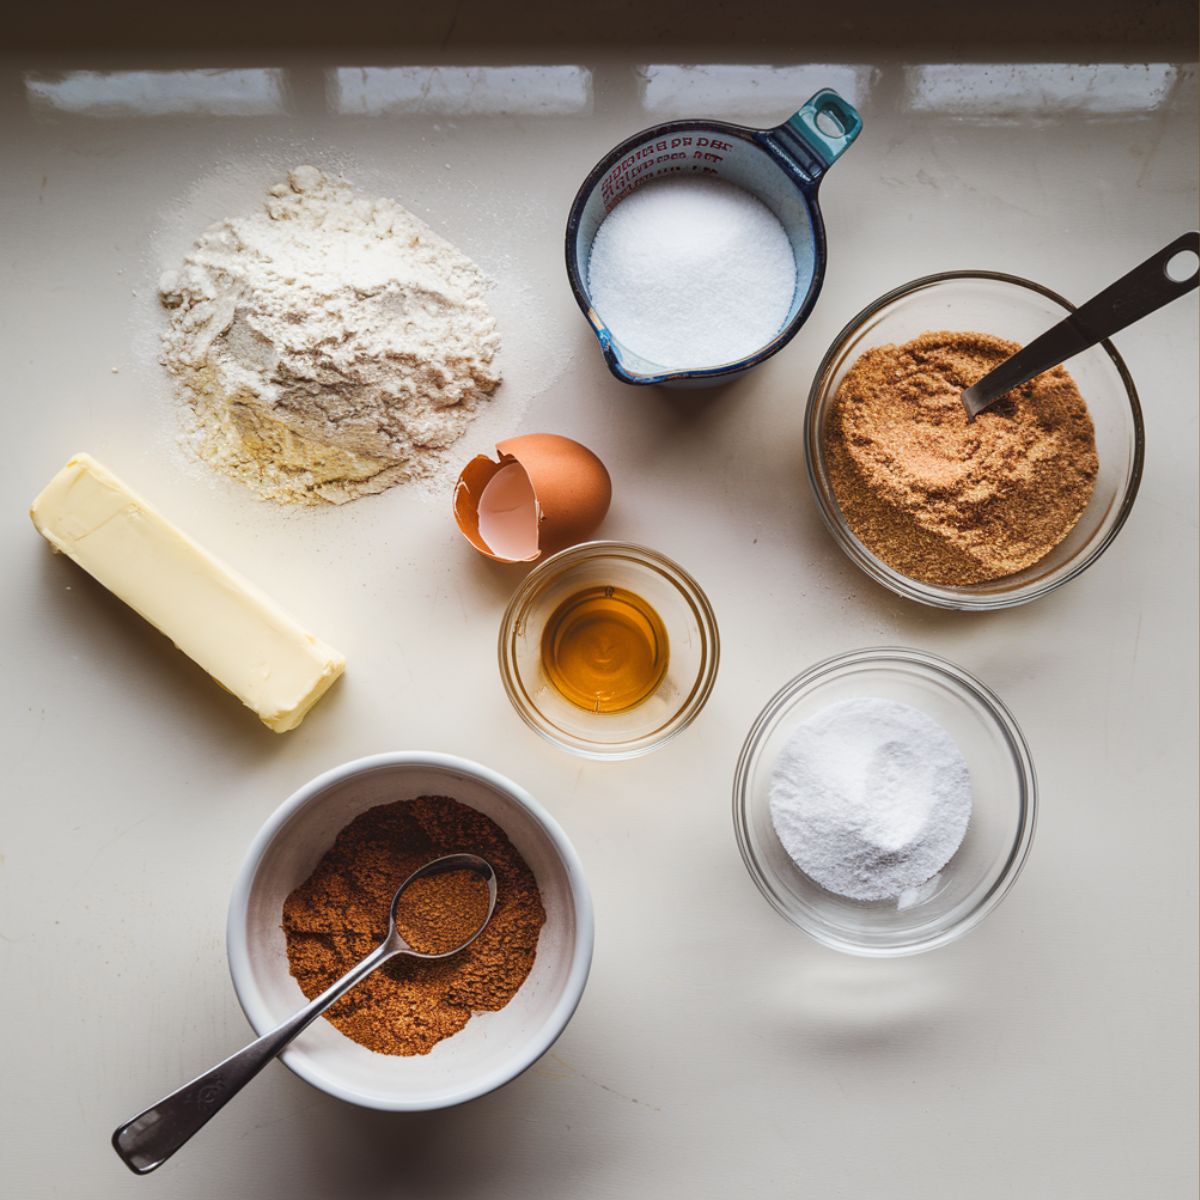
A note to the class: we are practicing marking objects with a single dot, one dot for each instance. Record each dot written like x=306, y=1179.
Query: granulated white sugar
x=870, y=797
x=692, y=273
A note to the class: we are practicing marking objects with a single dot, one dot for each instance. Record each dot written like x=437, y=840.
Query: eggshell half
x=561, y=499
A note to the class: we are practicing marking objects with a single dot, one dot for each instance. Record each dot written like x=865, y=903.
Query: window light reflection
x=1023, y=90
x=716, y=89
x=539, y=91
x=253, y=92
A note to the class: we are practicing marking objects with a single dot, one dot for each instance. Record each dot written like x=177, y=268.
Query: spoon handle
x=147, y=1141
x=1136, y=295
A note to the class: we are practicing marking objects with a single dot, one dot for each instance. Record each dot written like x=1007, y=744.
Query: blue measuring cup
x=782, y=166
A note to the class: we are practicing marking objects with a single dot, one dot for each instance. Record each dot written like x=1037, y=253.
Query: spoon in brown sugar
x=147, y=1141
x=1144, y=290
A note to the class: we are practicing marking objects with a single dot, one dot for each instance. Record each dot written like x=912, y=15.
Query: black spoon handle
x=1144, y=290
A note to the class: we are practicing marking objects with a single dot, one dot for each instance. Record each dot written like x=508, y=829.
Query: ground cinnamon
x=436, y=914
x=944, y=500
x=340, y=913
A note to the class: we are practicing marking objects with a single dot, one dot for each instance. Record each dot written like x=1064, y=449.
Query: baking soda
x=692, y=273
x=870, y=797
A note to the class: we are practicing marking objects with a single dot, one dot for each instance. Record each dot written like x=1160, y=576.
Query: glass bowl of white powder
x=884, y=802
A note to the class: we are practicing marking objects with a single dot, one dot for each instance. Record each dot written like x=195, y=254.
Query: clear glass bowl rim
x=932, y=594
x=960, y=680
x=697, y=697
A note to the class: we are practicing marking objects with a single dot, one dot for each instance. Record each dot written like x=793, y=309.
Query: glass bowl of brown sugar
x=969, y=516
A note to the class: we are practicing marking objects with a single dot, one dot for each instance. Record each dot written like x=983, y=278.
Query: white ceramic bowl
x=494, y=1047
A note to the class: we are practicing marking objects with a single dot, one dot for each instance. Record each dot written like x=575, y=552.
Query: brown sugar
x=339, y=914
x=947, y=501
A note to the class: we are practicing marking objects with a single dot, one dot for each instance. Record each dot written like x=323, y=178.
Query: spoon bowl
x=441, y=866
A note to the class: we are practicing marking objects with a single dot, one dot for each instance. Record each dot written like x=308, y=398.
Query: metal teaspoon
x=147, y=1141
x=1144, y=290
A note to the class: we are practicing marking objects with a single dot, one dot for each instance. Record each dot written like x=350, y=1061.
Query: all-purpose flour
x=330, y=345
x=870, y=797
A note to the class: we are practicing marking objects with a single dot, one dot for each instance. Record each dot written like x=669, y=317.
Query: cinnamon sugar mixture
x=339, y=914
x=942, y=500
x=437, y=913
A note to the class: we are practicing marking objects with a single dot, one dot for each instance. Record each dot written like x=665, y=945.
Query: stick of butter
x=249, y=645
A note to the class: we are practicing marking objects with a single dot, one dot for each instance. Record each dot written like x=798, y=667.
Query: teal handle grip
x=828, y=123
x=826, y=126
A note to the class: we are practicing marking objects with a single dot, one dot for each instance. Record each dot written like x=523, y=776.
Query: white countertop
x=1050, y=1053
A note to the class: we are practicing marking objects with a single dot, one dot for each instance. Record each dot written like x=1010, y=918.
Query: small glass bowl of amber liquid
x=608, y=650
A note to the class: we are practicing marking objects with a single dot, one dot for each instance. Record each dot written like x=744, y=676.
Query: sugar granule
x=692, y=273
x=948, y=501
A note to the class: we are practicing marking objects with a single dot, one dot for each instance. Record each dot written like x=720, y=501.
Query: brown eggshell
x=572, y=486
x=475, y=476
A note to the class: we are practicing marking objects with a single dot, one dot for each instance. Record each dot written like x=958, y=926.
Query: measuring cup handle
x=814, y=137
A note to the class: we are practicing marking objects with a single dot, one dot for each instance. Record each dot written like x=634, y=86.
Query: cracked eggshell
x=545, y=493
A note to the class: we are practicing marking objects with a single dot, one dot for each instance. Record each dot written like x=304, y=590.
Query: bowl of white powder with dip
x=884, y=802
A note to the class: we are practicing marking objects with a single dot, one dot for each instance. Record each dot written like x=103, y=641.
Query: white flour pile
x=870, y=797
x=329, y=346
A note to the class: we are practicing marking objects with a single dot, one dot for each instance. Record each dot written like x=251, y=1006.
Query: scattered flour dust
x=329, y=346
x=870, y=797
